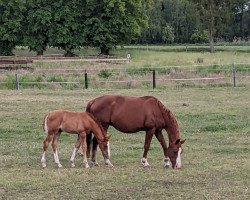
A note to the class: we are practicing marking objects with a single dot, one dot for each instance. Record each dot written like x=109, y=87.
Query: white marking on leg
x=166, y=162
x=43, y=160
x=56, y=157
x=108, y=149
x=72, y=159
x=178, y=159
x=108, y=163
x=145, y=162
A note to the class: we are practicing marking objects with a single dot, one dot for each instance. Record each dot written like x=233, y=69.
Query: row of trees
x=197, y=21
x=106, y=23
x=70, y=24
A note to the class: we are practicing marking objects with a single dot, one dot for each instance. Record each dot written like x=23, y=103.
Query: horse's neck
x=172, y=127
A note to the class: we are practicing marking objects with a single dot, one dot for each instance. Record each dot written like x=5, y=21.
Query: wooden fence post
x=234, y=76
x=154, y=83
x=17, y=82
x=86, y=79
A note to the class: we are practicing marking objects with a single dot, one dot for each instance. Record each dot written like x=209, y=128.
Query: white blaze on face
x=178, y=159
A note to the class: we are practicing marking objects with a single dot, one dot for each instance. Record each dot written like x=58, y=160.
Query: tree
x=114, y=22
x=67, y=30
x=38, y=25
x=180, y=15
x=11, y=17
x=212, y=13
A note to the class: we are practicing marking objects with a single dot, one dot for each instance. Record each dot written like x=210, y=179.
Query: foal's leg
x=76, y=148
x=148, y=138
x=54, y=148
x=84, y=150
x=160, y=138
x=45, y=147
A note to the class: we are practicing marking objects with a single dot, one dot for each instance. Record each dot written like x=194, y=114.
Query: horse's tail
x=45, y=123
x=89, y=138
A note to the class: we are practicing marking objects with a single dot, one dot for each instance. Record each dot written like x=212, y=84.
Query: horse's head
x=105, y=147
x=174, y=152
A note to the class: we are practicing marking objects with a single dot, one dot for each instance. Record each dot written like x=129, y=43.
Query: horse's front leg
x=54, y=148
x=76, y=148
x=148, y=139
x=84, y=150
x=160, y=138
x=46, y=142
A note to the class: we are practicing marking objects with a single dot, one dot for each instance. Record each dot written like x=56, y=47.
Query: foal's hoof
x=59, y=165
x=72, y=165
x=146, y=166
x=86, y=166
x=43, y=165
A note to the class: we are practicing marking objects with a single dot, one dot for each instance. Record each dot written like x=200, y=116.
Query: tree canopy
x=107, y=23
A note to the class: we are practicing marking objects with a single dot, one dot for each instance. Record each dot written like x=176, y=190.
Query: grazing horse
x=80, y=123
x=132, y=114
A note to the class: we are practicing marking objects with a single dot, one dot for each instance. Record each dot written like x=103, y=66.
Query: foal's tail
x=45, y=125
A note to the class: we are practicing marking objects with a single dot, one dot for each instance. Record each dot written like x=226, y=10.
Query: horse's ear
x=177, y=141
x=183, y=141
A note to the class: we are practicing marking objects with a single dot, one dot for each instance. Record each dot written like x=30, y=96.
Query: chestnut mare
x=80, y=123
x=132, y=114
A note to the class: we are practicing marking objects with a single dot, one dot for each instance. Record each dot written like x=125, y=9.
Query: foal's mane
x=99, y=124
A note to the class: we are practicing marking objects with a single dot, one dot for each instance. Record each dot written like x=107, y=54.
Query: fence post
x=154, y=83
x=86, y=79
x=17, y=82
x=234, y=76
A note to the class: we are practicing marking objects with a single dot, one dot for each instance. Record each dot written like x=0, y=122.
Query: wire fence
x=199, y=76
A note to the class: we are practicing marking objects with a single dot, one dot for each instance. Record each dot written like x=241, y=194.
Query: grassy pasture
x=170, y=62
x=216, y=157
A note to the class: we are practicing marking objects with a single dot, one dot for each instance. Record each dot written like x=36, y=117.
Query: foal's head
x=104, y=146
x=174, y=152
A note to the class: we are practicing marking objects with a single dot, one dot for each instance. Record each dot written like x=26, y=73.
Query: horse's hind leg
x=94, y=150
x=45, y=146
x=54, y=148
x=160, y=138
x=76, y=148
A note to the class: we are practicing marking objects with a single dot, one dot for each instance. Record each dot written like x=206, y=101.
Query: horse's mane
x=98, y=123
x=170, y=121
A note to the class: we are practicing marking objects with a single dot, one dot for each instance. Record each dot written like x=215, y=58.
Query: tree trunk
x=39, y=53
x=211, y=37
x=104, y=50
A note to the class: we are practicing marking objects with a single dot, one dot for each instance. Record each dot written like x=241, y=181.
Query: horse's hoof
x=59, y=165
x=72, y=165
x=95, y=164
x=166, y=165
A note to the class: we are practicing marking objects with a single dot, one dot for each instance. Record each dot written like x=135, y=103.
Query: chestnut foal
x=80, y=123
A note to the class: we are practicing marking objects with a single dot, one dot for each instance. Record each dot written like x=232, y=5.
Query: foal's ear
x=183, y=141
x=109, y=136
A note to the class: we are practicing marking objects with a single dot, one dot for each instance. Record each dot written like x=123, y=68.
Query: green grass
x=216, y=157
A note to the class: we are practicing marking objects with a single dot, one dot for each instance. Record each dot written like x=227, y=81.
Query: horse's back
x=126, y=113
